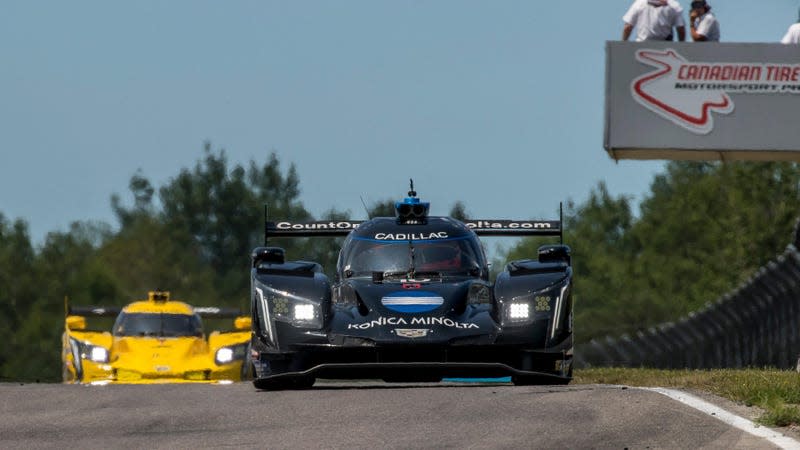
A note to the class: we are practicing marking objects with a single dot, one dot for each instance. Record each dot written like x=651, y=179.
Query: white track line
x=741, y=423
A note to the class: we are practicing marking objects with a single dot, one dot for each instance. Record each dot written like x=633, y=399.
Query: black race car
x=411, y=301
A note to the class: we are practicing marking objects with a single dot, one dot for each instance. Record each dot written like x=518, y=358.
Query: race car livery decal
x=686, y=93
x=412, y=302
x=318, y=225
x=411, y=333
x=510, y=224
x=410, y=236
x=395, y=321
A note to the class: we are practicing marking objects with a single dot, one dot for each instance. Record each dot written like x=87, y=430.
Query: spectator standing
x=702, y=23
x=792, y=37
x=654, y=20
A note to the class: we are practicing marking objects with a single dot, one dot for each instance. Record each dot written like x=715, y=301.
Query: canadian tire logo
x=689, y=94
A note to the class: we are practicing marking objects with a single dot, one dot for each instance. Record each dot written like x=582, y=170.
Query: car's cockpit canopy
x=158, y=325
x=458, y=256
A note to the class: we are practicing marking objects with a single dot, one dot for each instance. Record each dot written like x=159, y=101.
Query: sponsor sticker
x=411, y=333
x=689, y=93
x=316, y=226
x=410, y=236
x=508, y=225
x=412, y=301
x=427, y=321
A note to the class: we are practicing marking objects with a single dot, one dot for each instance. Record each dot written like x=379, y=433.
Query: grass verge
x=777, y=392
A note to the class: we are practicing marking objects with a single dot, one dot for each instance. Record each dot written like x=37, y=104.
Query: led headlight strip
x=76, y=357
x=267, y=321
x=557, y=311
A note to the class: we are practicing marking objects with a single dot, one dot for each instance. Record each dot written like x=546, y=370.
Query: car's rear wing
x=93, y=311
x=481, y=227
x=213, y=312
x=113, y=311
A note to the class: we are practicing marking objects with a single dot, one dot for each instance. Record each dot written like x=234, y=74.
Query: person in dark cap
x=792, y=37
x=702, y=24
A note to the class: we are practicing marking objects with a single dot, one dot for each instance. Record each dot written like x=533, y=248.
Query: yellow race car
x=157, y=340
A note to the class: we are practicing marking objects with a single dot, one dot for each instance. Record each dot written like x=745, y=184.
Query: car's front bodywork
x=157, y=340
x=411, y=300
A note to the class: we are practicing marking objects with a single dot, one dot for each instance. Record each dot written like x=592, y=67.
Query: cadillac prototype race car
x=157, y=340
x=411, y=300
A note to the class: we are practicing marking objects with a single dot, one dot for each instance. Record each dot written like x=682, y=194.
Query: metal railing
x=757, y=325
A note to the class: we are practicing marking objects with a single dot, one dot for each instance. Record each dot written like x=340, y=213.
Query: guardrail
x=757, y=325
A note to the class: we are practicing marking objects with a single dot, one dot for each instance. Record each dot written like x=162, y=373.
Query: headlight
x=304, y=312
x=519, y=311
x=98, y=354
x=91, y=352
x=224, y=355
x=293, y=309
x=523, y=309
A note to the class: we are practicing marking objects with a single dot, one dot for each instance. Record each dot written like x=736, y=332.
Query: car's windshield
x=158, y=324
x=454, y=256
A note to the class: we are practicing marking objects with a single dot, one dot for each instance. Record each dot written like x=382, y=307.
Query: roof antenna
x=365, y=206
x=412, y=192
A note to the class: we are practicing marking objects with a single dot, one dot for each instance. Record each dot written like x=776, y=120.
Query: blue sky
x=498, y=104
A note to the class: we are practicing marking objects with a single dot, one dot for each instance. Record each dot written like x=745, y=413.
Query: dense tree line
x=701, y=230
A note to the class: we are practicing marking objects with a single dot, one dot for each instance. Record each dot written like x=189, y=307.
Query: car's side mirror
x=271, y=255
x=555, y=253
x=76, y=323
x=243, y=323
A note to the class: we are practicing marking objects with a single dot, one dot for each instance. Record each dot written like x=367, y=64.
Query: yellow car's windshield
x=158, y=325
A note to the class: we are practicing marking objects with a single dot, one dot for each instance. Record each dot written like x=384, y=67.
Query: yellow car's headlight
x=90, y=351
x=224, y=355
x=227, y=355
x=98, y=354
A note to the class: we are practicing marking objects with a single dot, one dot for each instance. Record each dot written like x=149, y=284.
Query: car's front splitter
x=417, y=371
x=409, y=361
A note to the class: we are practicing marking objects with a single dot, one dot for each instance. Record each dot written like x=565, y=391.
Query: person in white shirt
x=792, y=34
x=702, y=24
x=654, y=20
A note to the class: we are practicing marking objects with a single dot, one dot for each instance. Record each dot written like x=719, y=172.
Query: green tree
x=707, y=227
x=17, y=290
x=148, y=255
x=65, y=267
x=210, y=219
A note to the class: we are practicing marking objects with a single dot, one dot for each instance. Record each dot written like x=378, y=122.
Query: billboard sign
x=702, y=101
